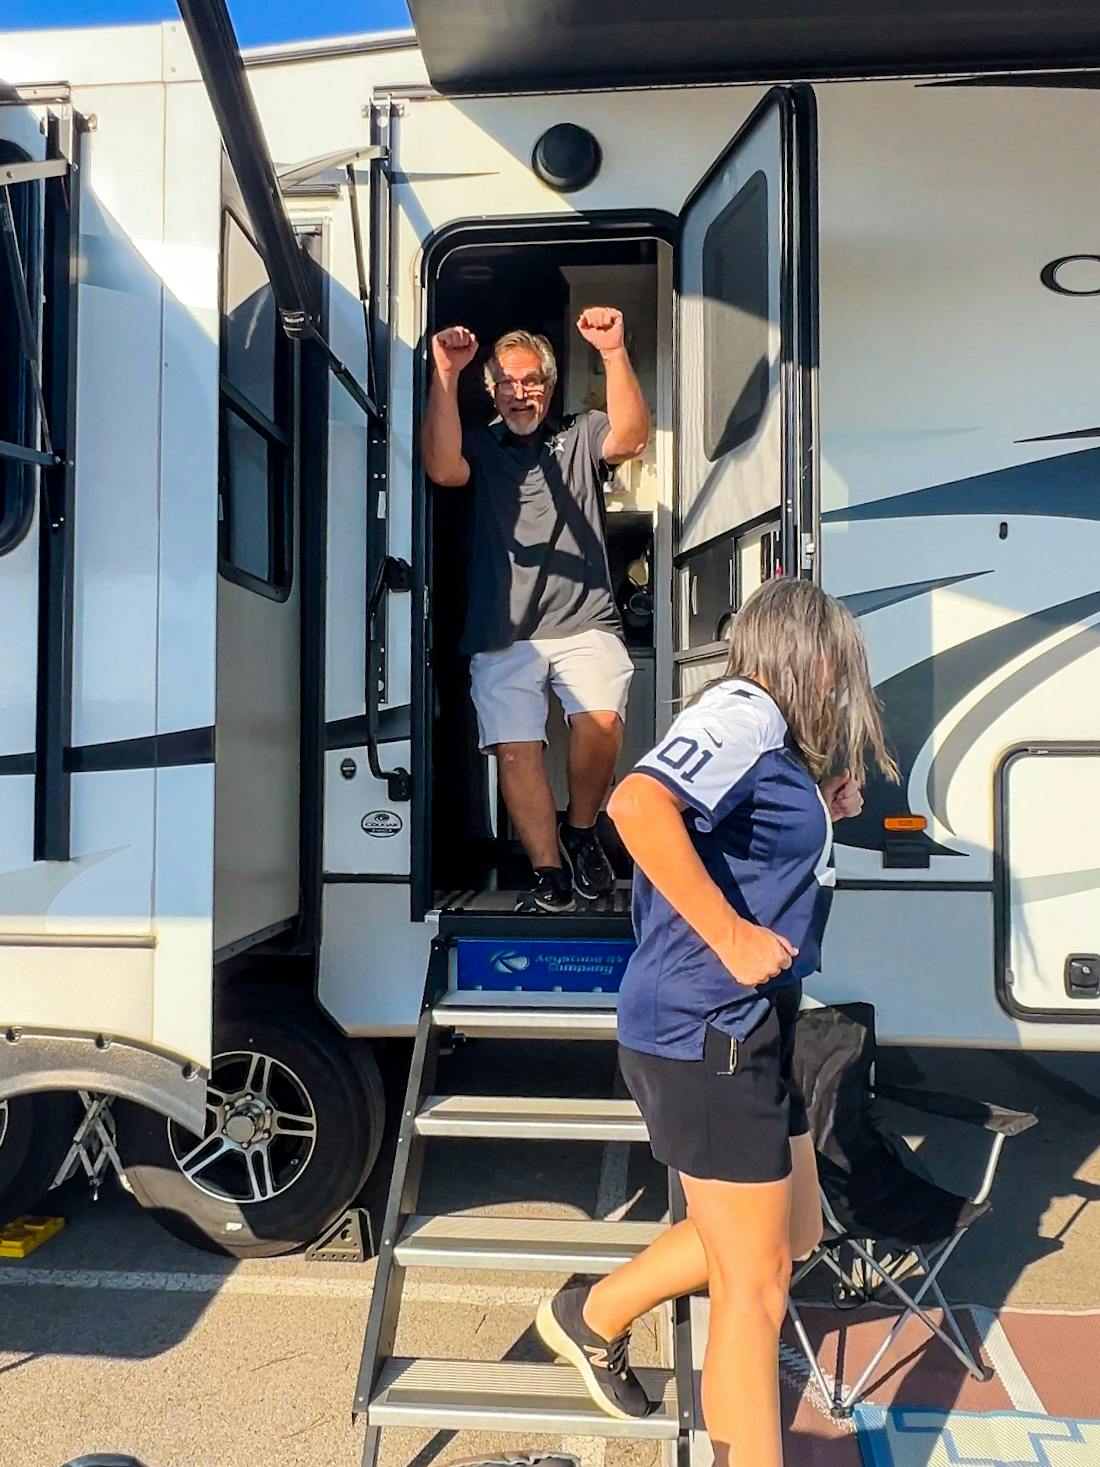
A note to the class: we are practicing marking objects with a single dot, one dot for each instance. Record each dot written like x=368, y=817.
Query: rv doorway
x=476, y=862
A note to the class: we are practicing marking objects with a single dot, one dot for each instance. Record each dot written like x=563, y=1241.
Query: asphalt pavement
x=116, y=1337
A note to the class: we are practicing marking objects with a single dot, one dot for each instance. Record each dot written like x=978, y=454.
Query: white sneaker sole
x=568, y=1352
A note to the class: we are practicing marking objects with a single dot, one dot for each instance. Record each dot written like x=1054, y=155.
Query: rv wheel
x=294, y=1120
x=35, y=1132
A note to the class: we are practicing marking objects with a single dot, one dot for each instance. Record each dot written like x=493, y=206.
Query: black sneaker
x=587, y=861
x=603, y=1364
x=552, y=892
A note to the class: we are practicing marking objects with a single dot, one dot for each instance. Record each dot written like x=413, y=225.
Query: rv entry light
x=905, y=822
x=566, y=157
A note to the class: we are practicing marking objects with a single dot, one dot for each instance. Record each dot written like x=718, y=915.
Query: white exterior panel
x=374, y=959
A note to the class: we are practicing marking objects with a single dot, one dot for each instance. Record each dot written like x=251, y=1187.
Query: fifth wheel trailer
x=241, y=805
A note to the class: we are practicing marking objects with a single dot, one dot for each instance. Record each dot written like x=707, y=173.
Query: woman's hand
x=753, y=955
x=843, y=796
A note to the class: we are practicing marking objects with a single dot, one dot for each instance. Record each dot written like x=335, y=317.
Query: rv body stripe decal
x=16, y=763
x=1083, y=81
x=917, y=699
x=997, y=701
x=394, y=727
x=1063, y=437
x=1064, y=487
x=153, y=751
x=862, y=603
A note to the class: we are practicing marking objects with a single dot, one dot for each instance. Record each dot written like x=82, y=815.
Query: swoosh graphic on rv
x=1028, y=889
x=919, y=697
x=1064, y=487
x=862, y=603
x=997, y=701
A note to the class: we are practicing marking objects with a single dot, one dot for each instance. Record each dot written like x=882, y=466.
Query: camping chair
x=889, y=1229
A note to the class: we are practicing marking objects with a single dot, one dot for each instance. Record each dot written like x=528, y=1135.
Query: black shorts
x=718, y=1126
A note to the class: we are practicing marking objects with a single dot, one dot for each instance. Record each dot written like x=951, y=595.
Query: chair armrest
x=955, y=1107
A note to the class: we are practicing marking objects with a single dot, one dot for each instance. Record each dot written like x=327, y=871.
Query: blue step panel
x=537, y=965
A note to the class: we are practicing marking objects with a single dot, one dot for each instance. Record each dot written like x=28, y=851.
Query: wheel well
x=287, y=970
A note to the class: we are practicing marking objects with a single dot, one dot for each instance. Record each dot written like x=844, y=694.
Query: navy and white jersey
x=758, y=822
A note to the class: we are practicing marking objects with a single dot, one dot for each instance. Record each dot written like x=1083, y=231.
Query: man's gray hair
x=522, y=341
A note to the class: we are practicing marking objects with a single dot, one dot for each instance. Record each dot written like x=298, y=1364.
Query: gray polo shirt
x=538, y=557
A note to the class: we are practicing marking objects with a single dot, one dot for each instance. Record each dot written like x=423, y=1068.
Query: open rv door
x=746, y=358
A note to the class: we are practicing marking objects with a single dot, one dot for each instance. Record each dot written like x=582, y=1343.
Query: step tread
x=523, y=1016
x=533, y=1117
x=570, y=1245
x=509, y=1396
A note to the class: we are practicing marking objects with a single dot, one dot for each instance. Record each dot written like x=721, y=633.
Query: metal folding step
x=522, y=1244
x=508, y=1396
x=449, y=1395
x=523, y=1016
x=530, y=1118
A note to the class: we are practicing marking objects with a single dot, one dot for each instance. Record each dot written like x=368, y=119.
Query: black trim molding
x=150, y=751
x=862, y=883
x=394, y=726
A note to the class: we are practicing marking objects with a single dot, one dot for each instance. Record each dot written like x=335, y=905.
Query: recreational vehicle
x=246, y=835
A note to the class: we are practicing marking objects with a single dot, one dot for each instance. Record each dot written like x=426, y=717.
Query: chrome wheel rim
x=261, y=1131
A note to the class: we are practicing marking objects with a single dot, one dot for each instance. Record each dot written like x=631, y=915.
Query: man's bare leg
x=595, y=743
x=527, y=794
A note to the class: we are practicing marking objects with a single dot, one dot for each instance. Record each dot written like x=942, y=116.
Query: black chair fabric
x=873, y=1183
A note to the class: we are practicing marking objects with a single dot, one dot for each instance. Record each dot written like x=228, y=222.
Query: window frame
x=279, y=439
x=26, y=462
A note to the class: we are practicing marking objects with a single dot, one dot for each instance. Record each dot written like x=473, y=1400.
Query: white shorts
x=589, y=671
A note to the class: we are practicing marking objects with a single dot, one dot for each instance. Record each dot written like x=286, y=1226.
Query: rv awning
x=513, y=46
x=211, y=33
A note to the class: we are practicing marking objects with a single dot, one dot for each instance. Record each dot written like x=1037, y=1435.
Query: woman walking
x=729, y=821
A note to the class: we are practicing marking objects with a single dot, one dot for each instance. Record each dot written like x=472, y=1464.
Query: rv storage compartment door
x=745, y=294
x=1050, y=881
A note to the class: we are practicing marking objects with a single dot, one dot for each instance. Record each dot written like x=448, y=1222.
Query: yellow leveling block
x=25, y=1234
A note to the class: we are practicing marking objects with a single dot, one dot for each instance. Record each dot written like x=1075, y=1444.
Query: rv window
x=19, y=228
x=250, y=324
x=735, y=319
x=255, y=517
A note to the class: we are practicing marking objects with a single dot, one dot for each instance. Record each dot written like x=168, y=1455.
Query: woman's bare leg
x=806, y=1220
x=676, y=1263
x=745, y=1231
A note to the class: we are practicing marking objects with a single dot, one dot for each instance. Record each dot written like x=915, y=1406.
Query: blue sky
x=258, y=22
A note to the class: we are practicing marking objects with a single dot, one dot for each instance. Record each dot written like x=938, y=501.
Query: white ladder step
x=534, y=1244
x=453, y=1395
x=500, y=1018
x=531, y=1118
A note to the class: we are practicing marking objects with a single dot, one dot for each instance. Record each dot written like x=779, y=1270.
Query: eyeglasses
x=529, y=386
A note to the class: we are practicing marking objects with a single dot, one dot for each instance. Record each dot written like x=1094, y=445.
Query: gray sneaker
x=603, y=1364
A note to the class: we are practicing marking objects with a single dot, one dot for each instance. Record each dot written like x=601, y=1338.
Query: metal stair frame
x=404, y=1193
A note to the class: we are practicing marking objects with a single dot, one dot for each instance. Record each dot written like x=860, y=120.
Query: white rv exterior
x=948, y=405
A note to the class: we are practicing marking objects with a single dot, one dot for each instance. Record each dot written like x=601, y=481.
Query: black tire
x=35, y=1133
x=323, y=1173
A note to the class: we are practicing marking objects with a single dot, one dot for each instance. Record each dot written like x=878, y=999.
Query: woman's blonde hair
x=807, y=650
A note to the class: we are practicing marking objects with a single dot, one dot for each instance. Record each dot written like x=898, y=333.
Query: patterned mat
x=908, y=1436
x=1041, y=1408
